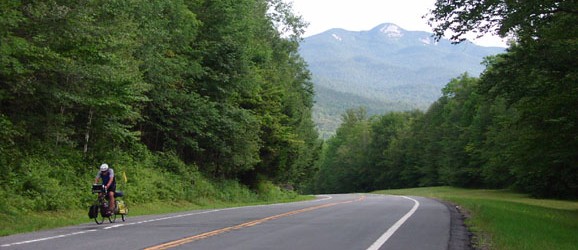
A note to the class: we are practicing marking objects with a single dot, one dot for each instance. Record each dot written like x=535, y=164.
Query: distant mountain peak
x=390, y=30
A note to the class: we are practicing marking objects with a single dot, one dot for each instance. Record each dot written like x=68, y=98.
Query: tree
x=535, y=78
x=521, y=19
x=343, y=166
x=78, y=82
x=542, y=91
x=392, y=163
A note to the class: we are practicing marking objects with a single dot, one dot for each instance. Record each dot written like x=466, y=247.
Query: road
x=343, y=221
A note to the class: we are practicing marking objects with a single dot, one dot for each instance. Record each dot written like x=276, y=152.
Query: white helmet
x=103, y=167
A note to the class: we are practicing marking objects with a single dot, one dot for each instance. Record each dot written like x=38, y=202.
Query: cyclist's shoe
x=108, y=213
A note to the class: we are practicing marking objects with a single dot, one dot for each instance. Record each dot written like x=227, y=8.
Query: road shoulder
x=460, y=235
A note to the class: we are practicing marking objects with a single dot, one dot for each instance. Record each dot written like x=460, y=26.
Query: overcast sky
x=358, y=15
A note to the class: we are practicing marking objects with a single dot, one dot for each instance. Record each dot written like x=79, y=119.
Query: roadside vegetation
x=502, y=219
x=204, y=194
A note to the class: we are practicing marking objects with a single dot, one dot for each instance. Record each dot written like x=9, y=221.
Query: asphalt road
x=344, y=221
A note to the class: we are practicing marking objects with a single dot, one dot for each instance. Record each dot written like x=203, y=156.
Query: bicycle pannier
x=122, y=207
x=93, y=211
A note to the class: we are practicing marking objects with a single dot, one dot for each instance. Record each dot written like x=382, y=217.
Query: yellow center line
x=190, y=239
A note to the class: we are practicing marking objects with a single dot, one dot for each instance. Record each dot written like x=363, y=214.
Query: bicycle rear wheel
x=121, y=209
x=123, y=215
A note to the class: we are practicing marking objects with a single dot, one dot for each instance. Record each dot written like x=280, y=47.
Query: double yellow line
x=190, y=239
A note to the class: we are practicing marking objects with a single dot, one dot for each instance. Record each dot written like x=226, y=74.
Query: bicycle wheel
x=123, y=215
x=112, y=217
x=99, y=219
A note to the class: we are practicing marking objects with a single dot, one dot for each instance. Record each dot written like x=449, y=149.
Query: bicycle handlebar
x=98, y=188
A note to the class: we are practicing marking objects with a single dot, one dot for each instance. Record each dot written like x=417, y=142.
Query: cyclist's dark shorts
x=112, y=188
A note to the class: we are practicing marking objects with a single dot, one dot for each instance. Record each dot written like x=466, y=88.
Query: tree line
x=154, y=88
x=513, y=127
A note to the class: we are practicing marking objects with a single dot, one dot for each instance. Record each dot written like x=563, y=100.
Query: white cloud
x=357, y=15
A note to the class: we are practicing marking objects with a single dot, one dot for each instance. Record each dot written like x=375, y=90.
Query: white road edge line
x=47, y=238
x=385, y=236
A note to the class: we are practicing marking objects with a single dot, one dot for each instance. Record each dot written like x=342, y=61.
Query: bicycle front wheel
x=99, y=219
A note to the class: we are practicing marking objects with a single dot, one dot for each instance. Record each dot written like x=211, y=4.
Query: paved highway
x=343, y=221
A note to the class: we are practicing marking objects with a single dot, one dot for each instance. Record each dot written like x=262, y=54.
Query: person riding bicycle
x=107, y=176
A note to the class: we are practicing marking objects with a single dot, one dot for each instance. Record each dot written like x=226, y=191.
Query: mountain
x=384, y=69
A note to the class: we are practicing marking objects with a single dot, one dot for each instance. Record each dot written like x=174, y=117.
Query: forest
x=180, y=97
x=516, y=126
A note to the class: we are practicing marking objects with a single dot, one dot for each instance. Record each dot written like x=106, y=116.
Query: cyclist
x=107, y=176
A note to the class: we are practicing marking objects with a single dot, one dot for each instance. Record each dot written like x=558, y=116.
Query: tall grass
x=505, y=220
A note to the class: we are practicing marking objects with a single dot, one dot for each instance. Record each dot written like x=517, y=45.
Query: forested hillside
x=514, y=126
x=173, y=94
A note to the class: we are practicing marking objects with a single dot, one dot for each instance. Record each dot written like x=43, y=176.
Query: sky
x=360, y=15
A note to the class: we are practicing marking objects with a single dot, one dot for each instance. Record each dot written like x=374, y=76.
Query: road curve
x=342, y=221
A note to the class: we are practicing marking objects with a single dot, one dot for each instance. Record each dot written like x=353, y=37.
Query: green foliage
x=269, y=191
x=533, y=142
x=360, y=157
x=391, y=151
x=226, y=193
x=465, y=139
x=364, y=153
x=522, y=19
x=37, y=184
x=184, y=98
x=515, y=126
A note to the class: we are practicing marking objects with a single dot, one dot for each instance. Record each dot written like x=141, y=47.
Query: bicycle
x=99, y=209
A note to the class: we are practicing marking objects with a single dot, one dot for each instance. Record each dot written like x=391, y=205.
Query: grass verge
x=501, y=219
x=35, y=221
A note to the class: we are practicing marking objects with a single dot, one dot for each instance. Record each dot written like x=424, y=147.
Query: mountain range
x=383, y=69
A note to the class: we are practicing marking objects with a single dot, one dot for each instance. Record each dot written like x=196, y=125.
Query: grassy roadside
x=35, y=221
x=502, y=219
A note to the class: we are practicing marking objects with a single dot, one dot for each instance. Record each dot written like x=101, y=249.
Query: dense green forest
x=183, y=97
x=516, y=126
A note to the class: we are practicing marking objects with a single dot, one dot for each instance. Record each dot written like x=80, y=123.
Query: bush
x=269, y=191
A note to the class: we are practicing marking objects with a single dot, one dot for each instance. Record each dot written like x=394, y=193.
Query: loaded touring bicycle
x=99, y=209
